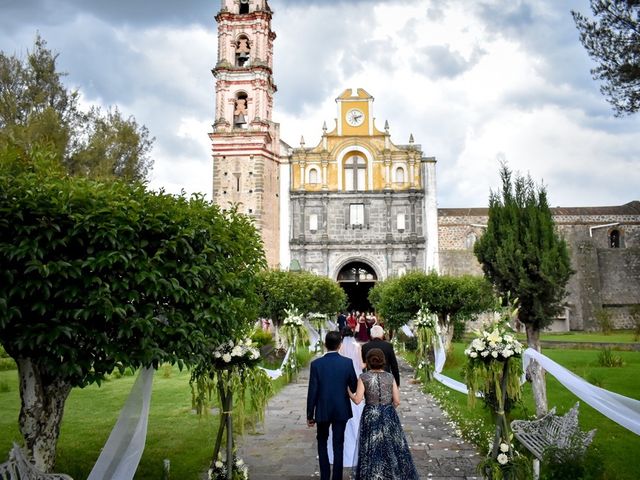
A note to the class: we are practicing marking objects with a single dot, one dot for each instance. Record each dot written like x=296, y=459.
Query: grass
x=174, y=431
x=617, y=336
x=616, y=443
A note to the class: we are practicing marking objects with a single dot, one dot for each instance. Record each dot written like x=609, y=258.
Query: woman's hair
x=375, y=359
x=346, y=332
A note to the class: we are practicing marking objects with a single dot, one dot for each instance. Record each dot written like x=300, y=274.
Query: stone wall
x=605, y=278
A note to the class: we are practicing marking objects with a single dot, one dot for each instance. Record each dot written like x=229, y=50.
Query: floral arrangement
x=218, y=470
x=293, y=329
x=425, y=325
x=494, y=370
x=497, y=342
x=241, y=352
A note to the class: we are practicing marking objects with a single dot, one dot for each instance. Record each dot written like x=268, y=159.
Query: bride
x=350, y=349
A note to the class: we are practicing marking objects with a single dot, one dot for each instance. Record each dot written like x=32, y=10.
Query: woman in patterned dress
x=383, y=452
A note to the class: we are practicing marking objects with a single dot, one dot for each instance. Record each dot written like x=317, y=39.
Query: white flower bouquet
x=293, y=330
x=496, y=342
x=236, y=352
x=218, y=470
x=425, y=319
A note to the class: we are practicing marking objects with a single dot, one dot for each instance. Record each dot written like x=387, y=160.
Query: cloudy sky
x=476, y=82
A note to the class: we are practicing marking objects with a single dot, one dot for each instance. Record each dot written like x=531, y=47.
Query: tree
x=37, y=109
x=612, y=38
x=281, y=289
x=398, y=300
x=523, y=256
x=102, y=275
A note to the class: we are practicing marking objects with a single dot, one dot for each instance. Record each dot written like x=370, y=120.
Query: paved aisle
x=285, y=448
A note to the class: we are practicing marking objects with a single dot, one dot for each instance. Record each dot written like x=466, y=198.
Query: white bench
x=19, y=468
x=551, y=429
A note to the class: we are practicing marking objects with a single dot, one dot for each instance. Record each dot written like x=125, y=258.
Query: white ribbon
x=622, y=410
x=121, y=454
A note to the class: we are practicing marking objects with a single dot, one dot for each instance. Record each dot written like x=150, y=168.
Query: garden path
x=284, y=448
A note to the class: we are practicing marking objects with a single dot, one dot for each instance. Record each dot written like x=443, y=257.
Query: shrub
x=571, y=463
x=606, y=358
x=261, y=338
x=411, y=344
x=605, y=322
x=7, y=364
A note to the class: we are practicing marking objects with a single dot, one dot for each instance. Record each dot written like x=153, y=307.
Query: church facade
x=359, y=208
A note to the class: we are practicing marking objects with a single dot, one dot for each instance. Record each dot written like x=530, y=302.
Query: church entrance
x=356, y=279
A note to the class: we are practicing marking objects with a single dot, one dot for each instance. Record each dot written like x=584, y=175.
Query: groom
x=328, y=403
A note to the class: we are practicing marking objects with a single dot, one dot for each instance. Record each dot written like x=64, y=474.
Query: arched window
x=614, y=238
x=399, y=177
x=313, y=176
x=355, y=174
x=240, y=110
x=243, y=51
x=470, y=240
x=244, y=6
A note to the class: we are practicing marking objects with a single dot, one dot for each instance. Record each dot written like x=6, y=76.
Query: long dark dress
x=383, y=450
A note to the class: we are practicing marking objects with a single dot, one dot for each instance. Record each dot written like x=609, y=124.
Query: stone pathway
x=285, y=448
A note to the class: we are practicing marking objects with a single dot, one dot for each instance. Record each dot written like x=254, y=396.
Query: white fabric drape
x=622, y=410
x=121, y=454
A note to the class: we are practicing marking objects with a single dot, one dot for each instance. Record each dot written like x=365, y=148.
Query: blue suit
x=329, y=405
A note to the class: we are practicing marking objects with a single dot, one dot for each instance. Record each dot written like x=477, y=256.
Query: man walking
x=328, y=403
x=377, y=341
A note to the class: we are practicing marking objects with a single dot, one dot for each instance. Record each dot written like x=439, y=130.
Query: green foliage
x=606, y=358
x=110, y=275
x=280, y=289
x=518, y=468
x=398, y=300
x=611, y=38
x=521, y=254
x=38, y=110
x=573, y=462
x=261, y=338
x=4, y=387
x=605, y=322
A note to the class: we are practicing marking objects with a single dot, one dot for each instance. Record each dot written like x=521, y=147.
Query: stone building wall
x=605, y=278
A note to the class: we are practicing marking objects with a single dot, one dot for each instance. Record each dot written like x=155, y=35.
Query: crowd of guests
x=354, y=390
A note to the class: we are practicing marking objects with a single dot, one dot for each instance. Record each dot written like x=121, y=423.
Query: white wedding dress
x=350, y=349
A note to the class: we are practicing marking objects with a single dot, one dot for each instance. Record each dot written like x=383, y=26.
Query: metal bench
x=551, y=429
x=19, y=468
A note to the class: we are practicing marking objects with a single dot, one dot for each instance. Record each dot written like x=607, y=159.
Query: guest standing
x=383, y=449
x=377, y=341
x=362, y=333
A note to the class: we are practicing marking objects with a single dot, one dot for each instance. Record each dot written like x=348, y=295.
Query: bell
x=240, y=120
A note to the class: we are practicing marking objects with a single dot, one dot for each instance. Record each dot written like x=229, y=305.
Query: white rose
x=503, y=459
x=226, y=357
x=508, y=338
x=247, y=342
x=473, y=354
x=254, y=354
x=494, y=354
x=217, y=354
x=504, y=447
x=484, y=353
x=239, y=462
x=218, y=464
x=237, y=351
x=507, y=353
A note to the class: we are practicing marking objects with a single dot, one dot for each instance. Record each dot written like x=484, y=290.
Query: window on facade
x=313, y=222
x=313, y=176
x=400, y=222
x=399, y=175
x=470, y=240
x=244, y=6
x=356, y=214
x=355, y=174
x=243, y=51
x=614, y=239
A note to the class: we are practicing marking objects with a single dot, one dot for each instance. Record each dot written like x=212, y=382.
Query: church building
x=359, y=208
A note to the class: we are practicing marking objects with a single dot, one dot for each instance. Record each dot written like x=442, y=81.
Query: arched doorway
x=356, y=279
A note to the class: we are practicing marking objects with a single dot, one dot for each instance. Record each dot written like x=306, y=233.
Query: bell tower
x=245, y=141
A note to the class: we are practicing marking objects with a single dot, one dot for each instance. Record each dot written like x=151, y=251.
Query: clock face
x=355, y=117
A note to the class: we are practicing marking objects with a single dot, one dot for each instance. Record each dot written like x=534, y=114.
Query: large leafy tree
x=281, y=289
x=96, y=276
x=36, y=108
x=612, y=38
x=398, y=300
x=523, y=256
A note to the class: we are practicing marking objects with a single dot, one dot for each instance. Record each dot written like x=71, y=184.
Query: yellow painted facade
x=356, y=144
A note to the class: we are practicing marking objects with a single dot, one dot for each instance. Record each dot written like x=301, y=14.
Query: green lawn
x=174, y=431
x=616, y=443
x=617, y=336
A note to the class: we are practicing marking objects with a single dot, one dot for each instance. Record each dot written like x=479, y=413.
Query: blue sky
x=476, y=83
